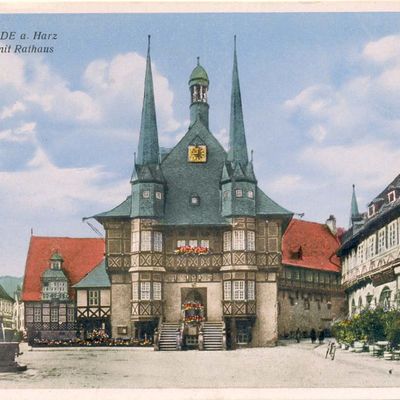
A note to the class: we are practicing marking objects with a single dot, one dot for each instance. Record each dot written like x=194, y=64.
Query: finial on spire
x=251, y=157
x=148, y=43
x=198, y=60
x=234, y=42
x=134, y=158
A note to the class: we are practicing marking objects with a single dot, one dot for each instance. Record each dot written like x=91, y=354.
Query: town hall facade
x=194, y=252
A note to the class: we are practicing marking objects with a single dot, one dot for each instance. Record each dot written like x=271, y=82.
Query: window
x=239, y=193
x=360, y=253
x=371, y=210
x=135, y=241
x=146, y=194
x=392, y=196
x=94, y=297
x=37, y=315
x=158, y=244
x=239, y=240
x=251, y=293
x=250, y=194
x=251, y=240
x=144, y=290
x=156, y=290
x=54, y=315
x=56, y=265
x=145, y=245
x=195, y=200
x=226, y=194
x=238, y=290
x=70, y=314
x=193, y=243
x=384, y=299
x=227, y=290
x=381, y=240
x=135, y=291
x=180, y=243
x=205, y=243
x=158, y=195
x=392, y=234
x=227, y=241
x=371, y=246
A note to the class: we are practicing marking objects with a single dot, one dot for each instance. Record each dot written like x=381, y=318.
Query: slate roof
x=4, y=295
x=318, y=246
x=384, y=211
x=97, y=278
x=80, y=256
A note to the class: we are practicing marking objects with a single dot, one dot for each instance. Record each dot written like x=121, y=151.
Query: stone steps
x=212, y=336
x=167, y=340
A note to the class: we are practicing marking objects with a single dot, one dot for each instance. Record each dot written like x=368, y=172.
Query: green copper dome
x=198, y=75
x=56, y=257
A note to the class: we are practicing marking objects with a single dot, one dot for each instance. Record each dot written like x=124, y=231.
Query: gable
x=80, y=256
x=185, y=179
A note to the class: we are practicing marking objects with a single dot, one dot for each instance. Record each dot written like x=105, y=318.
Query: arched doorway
x=195, y=295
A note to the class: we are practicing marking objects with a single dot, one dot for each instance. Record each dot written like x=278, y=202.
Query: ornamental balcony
x=146, y=309
x=211, y=262
x=239, y=308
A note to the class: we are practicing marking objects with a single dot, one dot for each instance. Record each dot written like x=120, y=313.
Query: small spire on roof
x=198, y=60
x=148, y=44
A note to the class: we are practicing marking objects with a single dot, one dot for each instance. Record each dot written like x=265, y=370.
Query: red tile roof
x=80, y=255
x=318, y=246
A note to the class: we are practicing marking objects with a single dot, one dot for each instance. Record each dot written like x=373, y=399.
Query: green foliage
x=391, y=322
x=369, y=326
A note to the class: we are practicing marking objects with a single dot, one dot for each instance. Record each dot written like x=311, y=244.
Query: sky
x=320, y=95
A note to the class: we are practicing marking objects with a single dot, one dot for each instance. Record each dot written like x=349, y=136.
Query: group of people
x=313, y=335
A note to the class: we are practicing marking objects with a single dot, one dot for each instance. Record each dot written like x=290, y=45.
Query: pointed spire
x=148, y=150
x=354, y=213
x=237, y=138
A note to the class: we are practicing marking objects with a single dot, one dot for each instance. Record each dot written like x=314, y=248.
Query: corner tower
x=238, y=182
x=147, y=179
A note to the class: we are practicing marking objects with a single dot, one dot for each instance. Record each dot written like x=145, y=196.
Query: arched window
x=360, y=304
x=384, y=299
x=353, y=307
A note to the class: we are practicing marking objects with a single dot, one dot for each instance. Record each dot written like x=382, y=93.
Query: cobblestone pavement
x=289, y=365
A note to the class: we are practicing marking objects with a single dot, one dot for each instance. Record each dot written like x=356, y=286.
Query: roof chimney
x=331, y=224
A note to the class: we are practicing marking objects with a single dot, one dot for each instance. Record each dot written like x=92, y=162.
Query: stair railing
x=201, y=336
x=157, y=335
x=223, y=336
x=179, y=336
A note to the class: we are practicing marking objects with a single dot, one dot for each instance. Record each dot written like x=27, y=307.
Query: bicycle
x=331, y=350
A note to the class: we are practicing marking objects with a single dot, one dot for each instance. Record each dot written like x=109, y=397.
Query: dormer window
x=371, y=210
x=250, y=194
x=195, y=200
x=239, y=193
x=146, y=194
x=392, y=196
x=158, y=195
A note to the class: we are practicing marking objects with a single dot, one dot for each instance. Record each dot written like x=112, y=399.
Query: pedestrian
x=313, y=335
x=297, y=335
x=321, y=336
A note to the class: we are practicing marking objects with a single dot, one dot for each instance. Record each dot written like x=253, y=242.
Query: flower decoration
x=191, y=250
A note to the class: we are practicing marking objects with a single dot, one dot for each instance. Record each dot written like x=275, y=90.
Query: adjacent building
x=309, y=288
x=53, y=266
x=6, y=315
x=93, y=301
x=370, y=252
x=196, y=239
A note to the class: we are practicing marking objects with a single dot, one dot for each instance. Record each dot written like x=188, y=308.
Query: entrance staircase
x=168, y=337
x=213, y=335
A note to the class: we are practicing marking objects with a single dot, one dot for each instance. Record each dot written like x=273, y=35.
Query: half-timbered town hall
x=193, y=252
